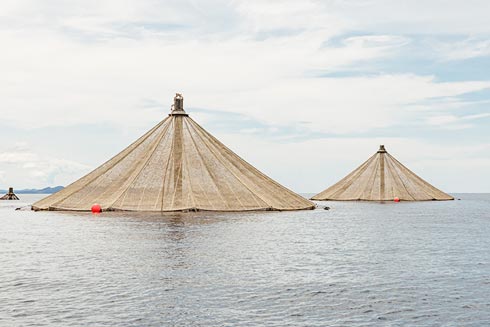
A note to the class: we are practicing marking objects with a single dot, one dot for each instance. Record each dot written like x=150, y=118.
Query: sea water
x=357, y=264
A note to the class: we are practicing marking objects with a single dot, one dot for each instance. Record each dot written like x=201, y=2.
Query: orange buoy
x=396, y=199
x=96, y=208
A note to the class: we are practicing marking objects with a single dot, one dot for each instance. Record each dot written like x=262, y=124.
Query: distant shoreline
x=46, y=190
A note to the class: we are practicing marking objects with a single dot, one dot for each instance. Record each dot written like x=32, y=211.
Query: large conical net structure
x=382, y=178
x=176, y=166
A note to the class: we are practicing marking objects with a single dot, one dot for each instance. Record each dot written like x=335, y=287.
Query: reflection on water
x=358, y=264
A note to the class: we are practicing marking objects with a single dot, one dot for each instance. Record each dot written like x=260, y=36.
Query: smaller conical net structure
x=176, y=166
x=10, y=195
x=382, y=178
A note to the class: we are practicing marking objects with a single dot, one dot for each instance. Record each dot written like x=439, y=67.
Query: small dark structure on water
x=10, y=195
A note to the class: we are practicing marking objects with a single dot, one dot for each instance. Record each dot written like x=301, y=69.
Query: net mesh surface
x=382, y=178
x=175, y=166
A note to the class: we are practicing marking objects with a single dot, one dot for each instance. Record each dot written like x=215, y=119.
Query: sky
x=304, y=90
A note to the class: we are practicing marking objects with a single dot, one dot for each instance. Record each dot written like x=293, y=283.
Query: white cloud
x=54, y=81
x=443, y=17
x=262, y=16
x=23, y=167
x=462, y=49
x=69, y=83
x=344, y=105
x=375, y=41
x=54, y=78
x=113, y=62
x=455, y=122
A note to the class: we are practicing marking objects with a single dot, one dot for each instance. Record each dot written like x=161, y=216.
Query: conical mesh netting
x=176, y=166
x=382, y=178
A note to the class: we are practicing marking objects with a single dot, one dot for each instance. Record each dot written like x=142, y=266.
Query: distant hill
x=46, y=190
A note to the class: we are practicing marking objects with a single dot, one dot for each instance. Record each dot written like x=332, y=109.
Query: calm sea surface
x=358, y=264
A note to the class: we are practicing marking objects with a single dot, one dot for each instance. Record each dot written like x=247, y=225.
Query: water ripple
x=358, y=264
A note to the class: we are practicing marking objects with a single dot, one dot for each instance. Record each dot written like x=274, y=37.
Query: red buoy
x=396, y=199
x=96, y=208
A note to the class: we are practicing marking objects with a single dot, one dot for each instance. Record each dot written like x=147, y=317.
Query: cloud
x=455, y=122
x=137, y=52
x=107, y=83
x=286, y=70
x=347, y=105
x=468, y=48
x=270, y=82
x=23, y=167
x=434, y=17
x=290, y=15
x=375, y=41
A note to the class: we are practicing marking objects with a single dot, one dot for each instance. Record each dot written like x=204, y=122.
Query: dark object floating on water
x=326, y=208
x=24, y=208
x=10, y=195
